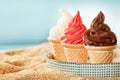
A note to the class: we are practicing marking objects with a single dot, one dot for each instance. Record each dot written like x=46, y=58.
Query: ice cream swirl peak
x=100, y=33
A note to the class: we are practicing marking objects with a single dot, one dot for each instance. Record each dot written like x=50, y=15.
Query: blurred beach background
x=26, y=23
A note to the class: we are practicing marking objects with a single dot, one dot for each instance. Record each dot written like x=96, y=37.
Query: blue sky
x=29, y=21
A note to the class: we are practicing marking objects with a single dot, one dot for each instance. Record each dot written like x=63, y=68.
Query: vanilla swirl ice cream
x=58, y=30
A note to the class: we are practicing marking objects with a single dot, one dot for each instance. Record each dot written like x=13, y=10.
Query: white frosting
x=58, y=30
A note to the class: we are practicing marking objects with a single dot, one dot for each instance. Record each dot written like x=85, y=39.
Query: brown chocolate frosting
x=99, y=33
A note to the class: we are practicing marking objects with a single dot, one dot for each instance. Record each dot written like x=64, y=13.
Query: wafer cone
x=57, y=50
x=101, y=54
x=75, y=53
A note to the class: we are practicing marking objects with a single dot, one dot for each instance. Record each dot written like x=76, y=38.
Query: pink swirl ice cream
x=75, y=31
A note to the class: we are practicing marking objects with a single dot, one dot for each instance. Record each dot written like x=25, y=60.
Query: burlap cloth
x=30, y=64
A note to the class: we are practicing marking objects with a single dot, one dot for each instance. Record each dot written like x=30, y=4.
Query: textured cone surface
x=58, y=51
x=76, y=54
x=101, y=54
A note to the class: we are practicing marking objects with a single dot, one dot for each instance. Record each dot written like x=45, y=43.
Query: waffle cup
x=101, y=54
x=57, y=50
x=75, y=53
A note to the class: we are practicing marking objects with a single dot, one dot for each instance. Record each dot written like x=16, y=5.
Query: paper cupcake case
x=111, y=70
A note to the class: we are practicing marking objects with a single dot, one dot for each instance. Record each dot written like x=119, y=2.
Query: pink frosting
x=75, y=31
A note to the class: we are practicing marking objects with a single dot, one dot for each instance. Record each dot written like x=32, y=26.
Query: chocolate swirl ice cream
x=99, y=33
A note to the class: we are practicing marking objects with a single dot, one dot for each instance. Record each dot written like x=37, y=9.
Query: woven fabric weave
x=111, y=70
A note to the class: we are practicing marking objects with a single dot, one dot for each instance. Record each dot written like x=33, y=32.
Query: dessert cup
x=57, y=50
x=75, y=53
x=103, y=54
